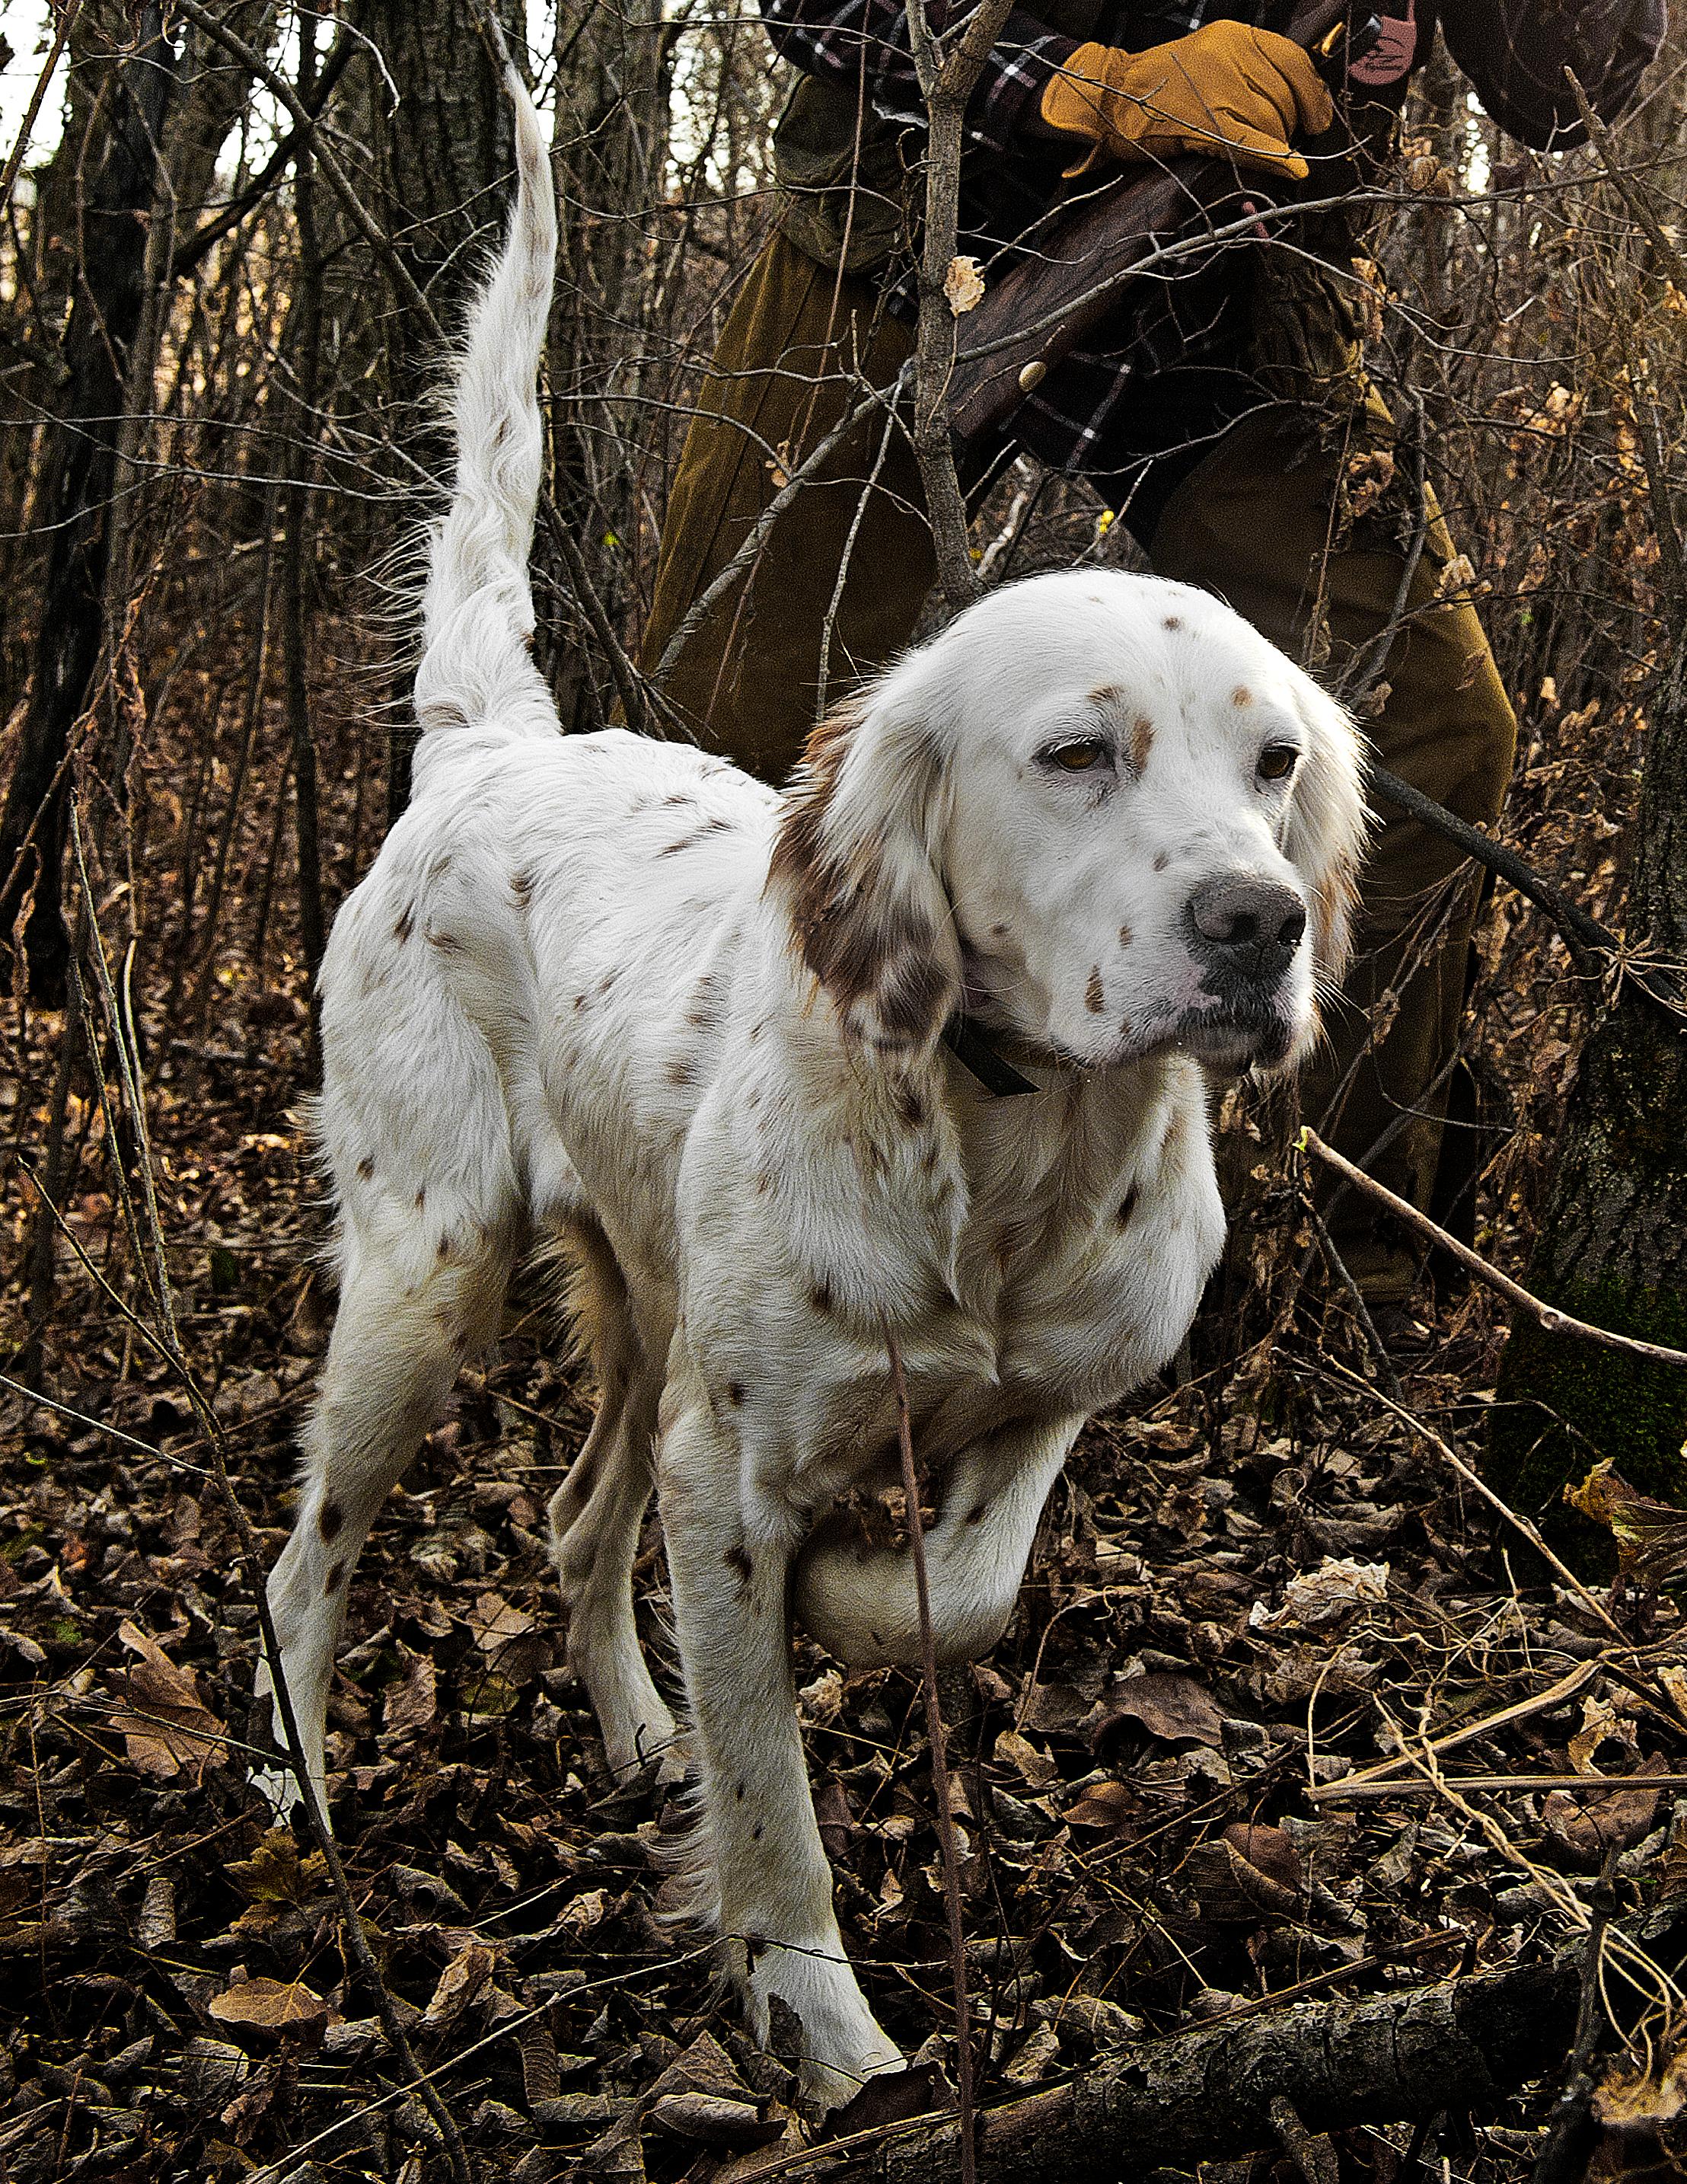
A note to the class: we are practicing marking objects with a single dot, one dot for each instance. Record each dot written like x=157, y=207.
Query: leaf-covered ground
x=1264, y=1584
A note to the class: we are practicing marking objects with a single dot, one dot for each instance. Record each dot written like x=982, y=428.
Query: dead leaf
x=715, y=2121
x=1338, y=1586
x=496, y=1622
x=411, y=1705
x=1587, y=1828
x=1033, y=1767
x=460, y=1983
x=890, y=2097
x=963, y=285
x=276, y=1874
x=1247, y=1872
x=1600, y=1722
x=1102, y=1805
x=1650, y=1536
x=1175, y=1708
x=582, y=1913
x=170, y=1730
x=268, y=2005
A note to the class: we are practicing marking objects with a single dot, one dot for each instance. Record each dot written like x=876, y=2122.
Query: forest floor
x=1268, y=1581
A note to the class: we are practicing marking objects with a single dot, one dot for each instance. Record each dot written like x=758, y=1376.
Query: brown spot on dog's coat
x=1093, y=996
x=365, y=1168
x=332, y=1516
x=447, y=943
x=975, y=1515
x=735, y=1393
x=1126, y=936
x=1241, y=695
x=1161, y=859
x=334, y=1576
x=444, y=1250
x=1142, y=742
x=421, y=1198
x=522, y=884
x=1108, y=694
x=1174, y=621
x=407, y=922
x=680, y=1073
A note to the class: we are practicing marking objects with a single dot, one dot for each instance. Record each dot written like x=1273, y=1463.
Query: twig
x=1553, y=1695
x=1586, y=939
x=946, y=86
x=1587, y=1786
x=723, y=580
x=1355, y=1297
x=278, y=87
x=169, y=1347
x=1546, y=1316
x=14, y=157
x=1564, y=2157
x=1640, y=211
x=934, y=1735
x=1497, y=1503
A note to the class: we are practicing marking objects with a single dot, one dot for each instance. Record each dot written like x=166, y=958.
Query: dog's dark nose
x=1250, y=927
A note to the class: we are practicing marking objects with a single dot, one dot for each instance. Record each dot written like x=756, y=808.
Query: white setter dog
x=612, y=992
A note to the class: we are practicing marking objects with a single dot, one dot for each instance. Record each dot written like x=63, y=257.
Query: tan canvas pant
x=1253, y=523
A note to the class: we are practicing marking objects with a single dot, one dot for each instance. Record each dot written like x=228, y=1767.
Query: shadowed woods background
x=230, y=237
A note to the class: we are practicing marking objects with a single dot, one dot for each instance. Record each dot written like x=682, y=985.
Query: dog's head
x=1098, y=809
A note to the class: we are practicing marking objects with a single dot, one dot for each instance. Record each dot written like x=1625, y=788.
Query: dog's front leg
x=860, y=1603
x=762, y=1876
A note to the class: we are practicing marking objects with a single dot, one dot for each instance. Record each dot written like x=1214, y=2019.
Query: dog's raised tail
x=477, y=605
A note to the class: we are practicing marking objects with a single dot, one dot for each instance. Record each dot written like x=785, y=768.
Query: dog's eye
x=1278, y=761
x=1077, y=756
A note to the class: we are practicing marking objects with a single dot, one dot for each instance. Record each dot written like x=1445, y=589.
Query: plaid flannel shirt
x=1010, y=178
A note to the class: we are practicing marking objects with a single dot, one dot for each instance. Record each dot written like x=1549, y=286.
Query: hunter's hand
x=1226, y=89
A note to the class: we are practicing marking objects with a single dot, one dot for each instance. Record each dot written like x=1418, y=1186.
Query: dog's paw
x=828, y=2086
x=840, y=2044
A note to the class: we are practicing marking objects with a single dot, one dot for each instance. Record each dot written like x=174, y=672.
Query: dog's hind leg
x=597, y=1513
x=412, y=1310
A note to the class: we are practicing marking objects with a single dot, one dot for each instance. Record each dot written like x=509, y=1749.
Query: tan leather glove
x=1226, y=89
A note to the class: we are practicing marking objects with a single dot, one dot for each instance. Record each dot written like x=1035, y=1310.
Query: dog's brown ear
x=1328, y=828
x=854, y=868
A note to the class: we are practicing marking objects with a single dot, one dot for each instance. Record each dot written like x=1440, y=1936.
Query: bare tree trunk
x=441, y=142
x=305, y=323
x=74, y=503
x=1612, y=1246
x=612, y=143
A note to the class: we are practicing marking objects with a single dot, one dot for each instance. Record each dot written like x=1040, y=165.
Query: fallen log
x=1210, y=2093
